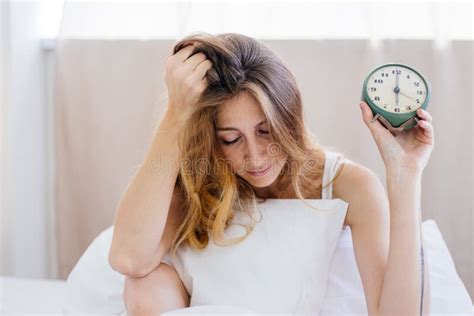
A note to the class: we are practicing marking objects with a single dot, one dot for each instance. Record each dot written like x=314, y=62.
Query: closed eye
x=228, y=143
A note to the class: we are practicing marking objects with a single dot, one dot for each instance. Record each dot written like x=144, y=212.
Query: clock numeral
x=408, y=108
x=419, y=92
x=417, y=84
x=373, y=89
x=378, y=81
x=417, y=100
x=396, y=109
x=377, y=98
x=384, y=75
x=408, y=76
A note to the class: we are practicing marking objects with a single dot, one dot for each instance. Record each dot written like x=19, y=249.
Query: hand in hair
x=185, y=78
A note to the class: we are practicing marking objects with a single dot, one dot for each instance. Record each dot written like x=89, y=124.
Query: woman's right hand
x=185, y=80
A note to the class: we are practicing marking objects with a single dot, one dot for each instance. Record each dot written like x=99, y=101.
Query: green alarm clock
x=394, y=92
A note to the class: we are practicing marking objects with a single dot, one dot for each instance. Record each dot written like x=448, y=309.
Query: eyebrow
x=236, y=129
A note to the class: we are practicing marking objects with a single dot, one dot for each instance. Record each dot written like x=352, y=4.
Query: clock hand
x=407, y=96
x=397, y=89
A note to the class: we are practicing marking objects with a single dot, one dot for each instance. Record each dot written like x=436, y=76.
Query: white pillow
x=345, y=294
x=94, y=287
x=274, y=270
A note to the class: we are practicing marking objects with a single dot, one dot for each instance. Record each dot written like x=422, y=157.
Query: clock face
x=396, y=89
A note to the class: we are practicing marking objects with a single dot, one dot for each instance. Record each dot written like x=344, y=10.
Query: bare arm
x=405, y=156
x=143, y=209
x=143, y=229
x=404, y=258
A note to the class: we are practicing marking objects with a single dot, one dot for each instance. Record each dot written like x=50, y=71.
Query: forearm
x=143, y=209
x=401, y=291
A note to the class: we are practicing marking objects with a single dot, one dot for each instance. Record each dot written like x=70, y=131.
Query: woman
x=233, y=133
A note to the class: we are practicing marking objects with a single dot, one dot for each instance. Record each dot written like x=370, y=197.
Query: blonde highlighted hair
x=211, y=192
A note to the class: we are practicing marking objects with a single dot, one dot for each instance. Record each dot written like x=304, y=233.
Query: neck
x=268, y=192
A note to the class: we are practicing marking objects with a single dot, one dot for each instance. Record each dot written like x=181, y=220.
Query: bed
x=84, y=293
x=25, y=296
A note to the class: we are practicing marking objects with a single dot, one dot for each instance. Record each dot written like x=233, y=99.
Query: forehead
x=244, y=107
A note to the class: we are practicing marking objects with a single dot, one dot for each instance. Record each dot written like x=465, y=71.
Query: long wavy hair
x=211, y=192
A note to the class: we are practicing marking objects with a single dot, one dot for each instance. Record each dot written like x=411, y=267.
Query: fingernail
x=361, y=105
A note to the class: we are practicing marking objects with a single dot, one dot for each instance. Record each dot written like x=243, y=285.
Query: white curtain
x=268, y=19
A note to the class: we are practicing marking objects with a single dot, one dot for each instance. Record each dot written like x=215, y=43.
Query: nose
x=255, y=154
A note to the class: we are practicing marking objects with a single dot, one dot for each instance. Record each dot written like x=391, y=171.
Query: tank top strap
x=332, y=163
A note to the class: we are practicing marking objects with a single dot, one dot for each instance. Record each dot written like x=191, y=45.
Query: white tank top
x=283, y=264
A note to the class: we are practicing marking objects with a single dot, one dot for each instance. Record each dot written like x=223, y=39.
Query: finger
x=203, y=85
x=427, y=128
x=202, y=68
x=184, y=53
x=424, y=115
x=375, y=127
x=193, y=61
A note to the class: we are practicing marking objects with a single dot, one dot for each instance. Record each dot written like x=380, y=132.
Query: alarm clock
x=394, y=92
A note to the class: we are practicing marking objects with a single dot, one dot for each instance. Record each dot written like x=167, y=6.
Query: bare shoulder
x=354, y=185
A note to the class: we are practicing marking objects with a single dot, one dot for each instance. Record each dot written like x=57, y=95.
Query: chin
x=260, y=183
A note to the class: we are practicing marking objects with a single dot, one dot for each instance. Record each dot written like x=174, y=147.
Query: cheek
x=280, y=160
x=274, y=151
x=233, y=157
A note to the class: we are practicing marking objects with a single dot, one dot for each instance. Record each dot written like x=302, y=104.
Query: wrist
x=172, y=120
x=403, y=172
x=403, y=182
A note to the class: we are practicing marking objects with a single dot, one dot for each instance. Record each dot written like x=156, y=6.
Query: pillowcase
x=345, y=293
x=281, y=267
x=94, y=287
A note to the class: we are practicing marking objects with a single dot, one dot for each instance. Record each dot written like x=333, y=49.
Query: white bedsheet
x=23, y=296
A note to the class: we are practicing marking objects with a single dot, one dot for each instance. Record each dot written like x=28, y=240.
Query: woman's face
x=244, y=138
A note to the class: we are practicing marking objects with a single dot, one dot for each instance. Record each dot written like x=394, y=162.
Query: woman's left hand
x=409, y=149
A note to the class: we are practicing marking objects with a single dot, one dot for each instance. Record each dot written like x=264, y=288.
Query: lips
x=257, y=171
x=260, y=171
